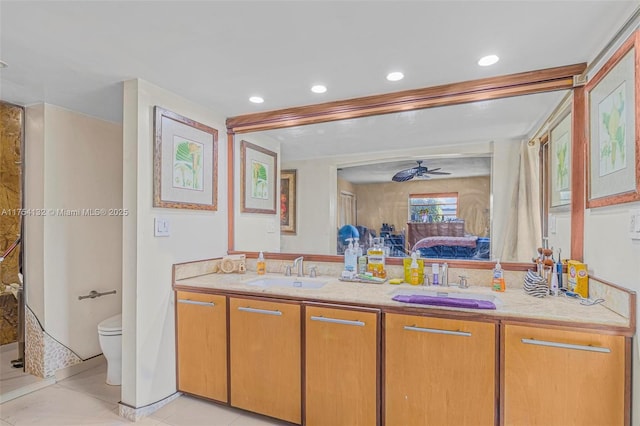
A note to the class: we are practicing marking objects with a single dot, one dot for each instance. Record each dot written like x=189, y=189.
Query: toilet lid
x=113, y=323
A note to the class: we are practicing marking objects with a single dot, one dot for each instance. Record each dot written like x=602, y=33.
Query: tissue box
x=578, y=278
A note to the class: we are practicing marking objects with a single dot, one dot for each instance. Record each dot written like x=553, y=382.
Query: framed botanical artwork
x=560, y=163
x=288, y=202
x=614, y=129
x=258, y=176
x=185, y=162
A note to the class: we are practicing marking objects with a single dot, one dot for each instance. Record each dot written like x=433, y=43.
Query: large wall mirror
x=344, y=171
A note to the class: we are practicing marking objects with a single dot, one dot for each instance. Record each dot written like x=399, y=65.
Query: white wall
x=148, y=369
x=256, y=231
x=610, y=253
x=317, y=217
x=73, y=162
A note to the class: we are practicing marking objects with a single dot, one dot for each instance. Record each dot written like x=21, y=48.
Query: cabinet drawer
x=341, y=366
x=202, y=344
x=559, y=377
x=266, y=363
x=439, y=371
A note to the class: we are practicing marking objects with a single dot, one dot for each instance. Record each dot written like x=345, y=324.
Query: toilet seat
x=112, y=326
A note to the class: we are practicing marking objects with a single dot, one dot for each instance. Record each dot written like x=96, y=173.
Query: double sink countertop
x=513, y=304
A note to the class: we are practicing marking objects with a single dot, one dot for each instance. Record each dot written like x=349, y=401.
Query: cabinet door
x=439, y=371
x=266, y=358
x=202, y=344
x=557, y=377
x=341, y=367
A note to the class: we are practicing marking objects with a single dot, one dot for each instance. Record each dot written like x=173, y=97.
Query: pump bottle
x=261, y=265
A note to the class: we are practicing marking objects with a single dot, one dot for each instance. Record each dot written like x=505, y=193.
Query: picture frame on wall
x=185, y=162
x=614, y=129
x=258, y=175
x=560, y=163
x=288, y=202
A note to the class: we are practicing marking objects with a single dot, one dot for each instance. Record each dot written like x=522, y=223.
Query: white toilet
x=110, y=336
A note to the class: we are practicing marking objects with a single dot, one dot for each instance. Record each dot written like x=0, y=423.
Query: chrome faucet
x=297, y=263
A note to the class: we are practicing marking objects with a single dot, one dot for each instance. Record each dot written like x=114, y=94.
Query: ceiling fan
x=420, y=171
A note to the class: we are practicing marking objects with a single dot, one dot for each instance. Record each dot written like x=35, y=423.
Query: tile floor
x=85, y=399
x=13, y=380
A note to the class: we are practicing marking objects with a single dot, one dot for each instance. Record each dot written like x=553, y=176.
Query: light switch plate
x=271, y=228
x=552, y=224
x=161, y=227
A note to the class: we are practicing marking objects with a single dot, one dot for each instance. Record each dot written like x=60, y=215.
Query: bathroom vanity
x=345, y=353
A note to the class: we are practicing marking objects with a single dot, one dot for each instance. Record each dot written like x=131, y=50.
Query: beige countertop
x=513, y=304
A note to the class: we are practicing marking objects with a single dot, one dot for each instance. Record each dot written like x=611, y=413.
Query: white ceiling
x=76, y=54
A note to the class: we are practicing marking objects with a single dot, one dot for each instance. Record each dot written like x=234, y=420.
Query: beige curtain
x=347, y=209
x=524, y=231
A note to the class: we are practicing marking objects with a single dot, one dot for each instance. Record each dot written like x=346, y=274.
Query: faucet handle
x=463, y=281
x=313, y=271
x=287, y=270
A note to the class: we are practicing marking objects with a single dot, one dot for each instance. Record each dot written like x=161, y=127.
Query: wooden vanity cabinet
x=265, y=357
x=439, y=371
x=201, y=322
x=562, y=377
x=341, y=366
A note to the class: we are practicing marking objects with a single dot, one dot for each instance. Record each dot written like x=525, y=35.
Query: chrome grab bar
x=259, y=311
x=196, y=302
x=566, y=346
x=337, y=321
x=437, y=331
x=93, y=294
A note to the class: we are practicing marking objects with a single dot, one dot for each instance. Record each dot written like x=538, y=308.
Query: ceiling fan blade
x=405, y=175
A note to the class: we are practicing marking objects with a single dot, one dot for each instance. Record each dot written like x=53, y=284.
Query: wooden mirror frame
x=546, y=80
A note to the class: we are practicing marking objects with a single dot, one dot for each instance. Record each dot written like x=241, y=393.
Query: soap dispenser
x=261, y=265
x=350, y=258
x=414, y=270
x=497, y=283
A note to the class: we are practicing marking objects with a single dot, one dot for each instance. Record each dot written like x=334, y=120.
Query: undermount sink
x=448, y=294
x=292, y=282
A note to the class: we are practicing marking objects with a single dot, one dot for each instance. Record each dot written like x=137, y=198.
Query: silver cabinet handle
x=259, y=311
x=337, y=321
x=195, y=302
x=566, y=346
x=437, y=331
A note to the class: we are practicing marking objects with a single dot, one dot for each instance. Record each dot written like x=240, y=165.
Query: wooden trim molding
x=550, y=79
x=230, y=192
x=578, y=146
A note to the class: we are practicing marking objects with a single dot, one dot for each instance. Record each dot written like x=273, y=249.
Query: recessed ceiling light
x=256, y=99
x=485, y=61
x=319, y=88
x=395, y=76
x=3, y=64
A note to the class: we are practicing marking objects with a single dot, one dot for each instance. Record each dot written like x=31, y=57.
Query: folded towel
x=446, y=301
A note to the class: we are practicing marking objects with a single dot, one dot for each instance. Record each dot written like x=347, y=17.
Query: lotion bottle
x=414, y=270
x=435, y=270
x=497, y=283
x=261, y=265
